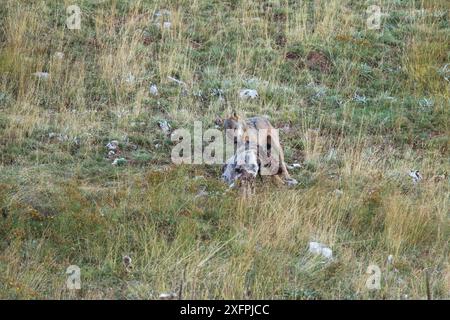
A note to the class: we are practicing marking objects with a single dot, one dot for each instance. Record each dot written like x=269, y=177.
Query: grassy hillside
x=357, y=108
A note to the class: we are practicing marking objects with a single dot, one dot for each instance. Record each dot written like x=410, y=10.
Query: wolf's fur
x=241, y=128
x=244, y=161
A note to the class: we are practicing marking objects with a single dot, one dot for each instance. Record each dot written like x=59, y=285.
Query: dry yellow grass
x=63, y=204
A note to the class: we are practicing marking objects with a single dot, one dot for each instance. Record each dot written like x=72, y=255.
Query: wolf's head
x=235, y=127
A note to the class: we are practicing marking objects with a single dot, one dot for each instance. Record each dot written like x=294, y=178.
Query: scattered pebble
x=248, y=94
x=59, y=55
x=295, y=166
x=320, y=249
x=63, y=137
x=415, y=175
x=119, y=161
x=163, y=13
x=127, y=263
x=153, y=90
x=42, y=75
x=164, y=126
x=130, y=79
x=161, y=16
x=361, y=99
x=445, y=72
x=218, y=122
x=286, y=128
x=338, y=192
x=113, y=146
x=218, y=93
x=426, y=103
x=291, y=182
x=202, y=193
x=390, y=259
x=168, y=296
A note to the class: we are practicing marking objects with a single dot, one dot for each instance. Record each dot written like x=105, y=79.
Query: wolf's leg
x=282, y=163
x=277, y=180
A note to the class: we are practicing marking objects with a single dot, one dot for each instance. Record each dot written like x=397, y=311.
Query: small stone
x=59, y=55
x=119, y=162
x=291, y=182
x=112, y=145
x=360, y=98
x=127, y=263
x=42, y=75
x=202, y=193
x=390, y=259
x=318, y=248
x=130, y=79
x=168, y=296
x=153, y=90
x=415, y=175
x=164, y=126
x=248, y=94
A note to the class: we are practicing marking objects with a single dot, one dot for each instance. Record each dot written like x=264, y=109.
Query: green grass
x=362, y=108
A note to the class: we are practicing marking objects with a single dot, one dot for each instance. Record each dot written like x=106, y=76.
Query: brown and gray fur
x=241, y=126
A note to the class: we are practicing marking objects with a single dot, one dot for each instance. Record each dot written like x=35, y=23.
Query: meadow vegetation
x=357, y=108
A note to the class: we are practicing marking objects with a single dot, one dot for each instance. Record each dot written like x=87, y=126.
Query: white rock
x=153, y=90
x=126, y=261
x=426, y=103
x=390, y=259
x=119, y=161
x=163, y=13
x=42, y=75
x=248, y=94
x=130, y=79
x=360, y=99
x=291, y=182
x=202, y=193
x=167, y=24
x=218, y=93
x=320, y=249
x=164, y=126
x=415, y=175
x=59, y=55
x=445, y=72
x=112, y=145
x=168, y=296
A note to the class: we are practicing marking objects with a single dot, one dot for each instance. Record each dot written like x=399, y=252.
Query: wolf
x=269, y=154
